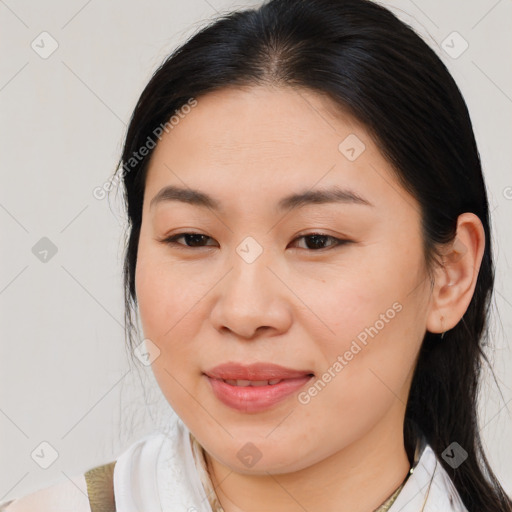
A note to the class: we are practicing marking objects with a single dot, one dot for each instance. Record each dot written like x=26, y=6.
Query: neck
x=358, y=478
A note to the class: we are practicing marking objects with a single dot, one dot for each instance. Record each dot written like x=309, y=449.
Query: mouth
x=257, y=387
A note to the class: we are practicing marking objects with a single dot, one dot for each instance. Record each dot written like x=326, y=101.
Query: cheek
x=172, y=313
x=375, y=322
x=166, y=293
x=346, y=306
x=364, y=376
x=167, y=313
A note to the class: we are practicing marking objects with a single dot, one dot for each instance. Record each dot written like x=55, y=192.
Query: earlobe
x=456, y=278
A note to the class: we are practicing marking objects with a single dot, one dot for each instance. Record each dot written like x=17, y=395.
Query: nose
x=252, y=298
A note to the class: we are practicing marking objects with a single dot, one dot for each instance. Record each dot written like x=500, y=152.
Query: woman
x=309, y=252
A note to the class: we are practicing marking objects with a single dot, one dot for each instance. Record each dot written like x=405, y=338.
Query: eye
x=192, y=239
x=316, y=241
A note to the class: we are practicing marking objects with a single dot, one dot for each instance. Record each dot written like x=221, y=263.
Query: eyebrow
x=194, y=197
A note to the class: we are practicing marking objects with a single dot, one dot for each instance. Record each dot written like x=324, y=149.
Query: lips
x=256, y=387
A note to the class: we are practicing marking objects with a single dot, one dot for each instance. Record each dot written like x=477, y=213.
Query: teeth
x=259, y=383
x=245, y=383
x=234, y=382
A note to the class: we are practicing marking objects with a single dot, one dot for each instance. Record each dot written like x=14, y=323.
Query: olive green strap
x=100, y=488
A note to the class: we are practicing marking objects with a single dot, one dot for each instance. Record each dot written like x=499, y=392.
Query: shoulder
x=69, y=495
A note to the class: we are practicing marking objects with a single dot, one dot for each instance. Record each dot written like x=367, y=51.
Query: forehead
x=268, y=140
x=262, y=121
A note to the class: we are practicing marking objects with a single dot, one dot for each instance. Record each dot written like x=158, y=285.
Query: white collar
x=429, y=488
x=157, y=473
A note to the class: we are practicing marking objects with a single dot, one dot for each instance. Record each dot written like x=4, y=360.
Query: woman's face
x=257, y=287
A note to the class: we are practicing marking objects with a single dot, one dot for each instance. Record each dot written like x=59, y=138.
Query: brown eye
x=191, y=240
x=317, y=241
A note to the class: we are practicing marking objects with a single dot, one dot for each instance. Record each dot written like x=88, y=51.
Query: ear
x=455, y=280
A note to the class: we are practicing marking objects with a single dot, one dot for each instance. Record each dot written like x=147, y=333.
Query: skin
x=294, y=305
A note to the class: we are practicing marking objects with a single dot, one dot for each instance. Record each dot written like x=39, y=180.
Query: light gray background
x=65, y=376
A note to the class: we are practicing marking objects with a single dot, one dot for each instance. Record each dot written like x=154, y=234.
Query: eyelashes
x=316, y=237
x=172, y=240
x=314, y=240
